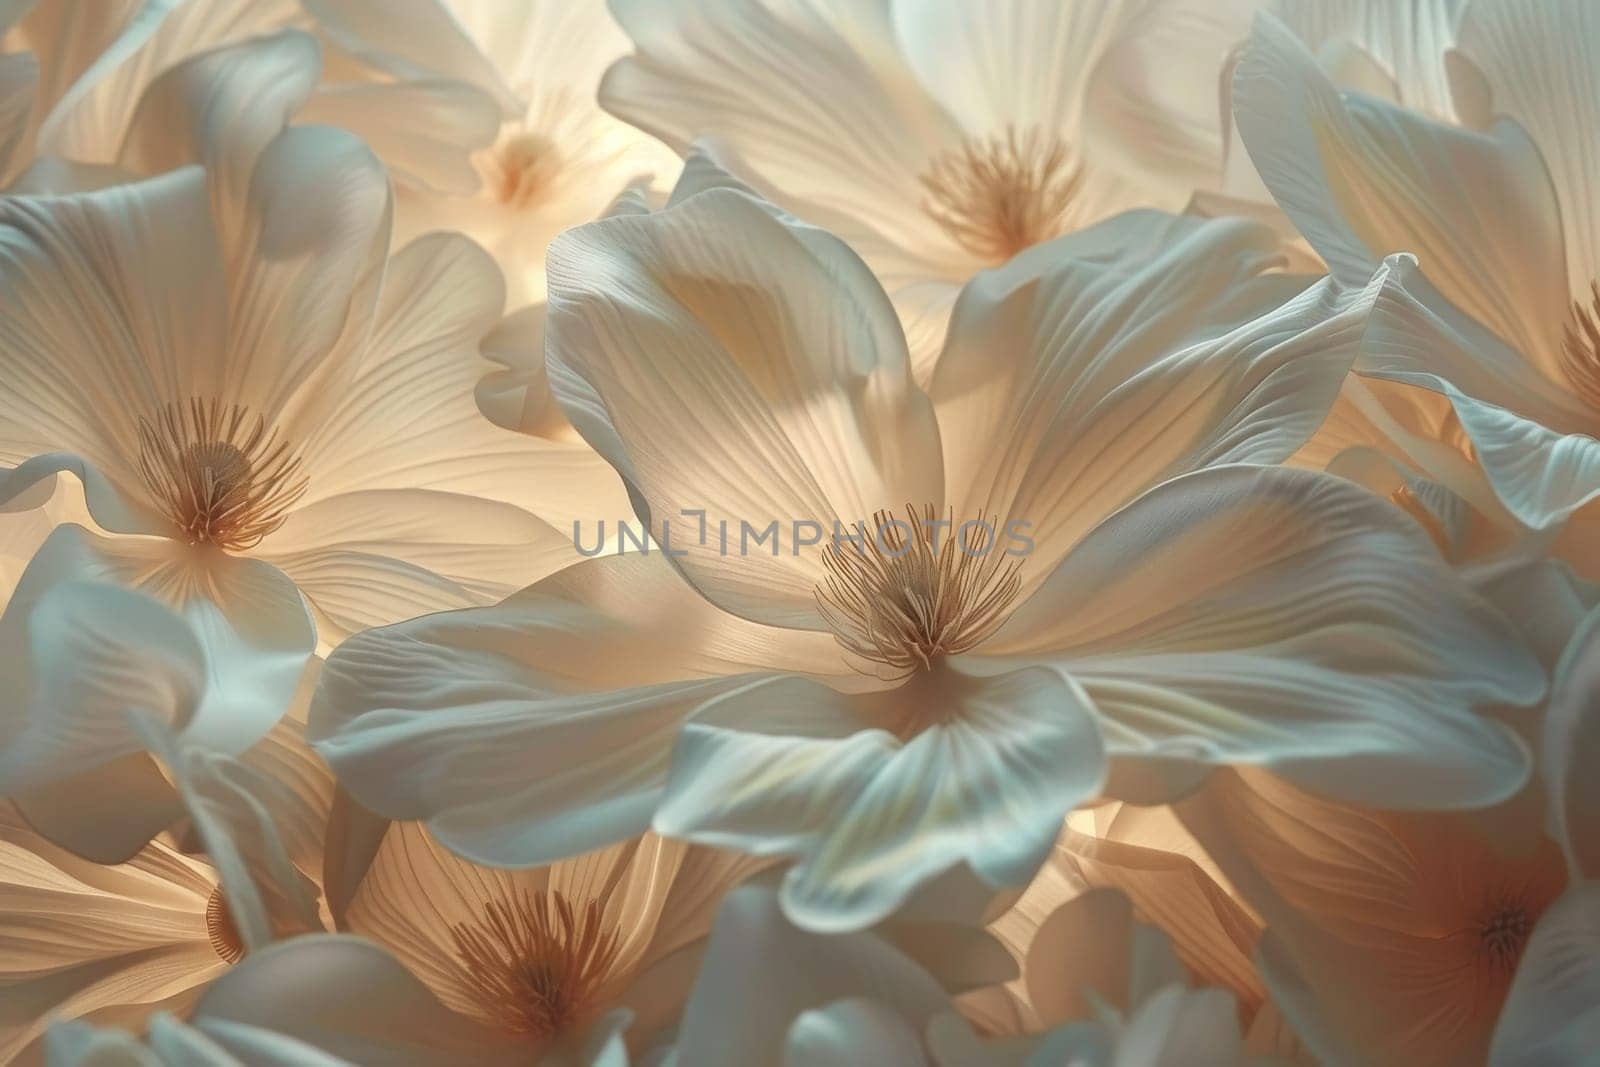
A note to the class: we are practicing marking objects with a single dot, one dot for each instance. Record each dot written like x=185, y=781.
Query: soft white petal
x=575, y=670
x=787, y=767
x=731, y=361
x=1363, y=178
x=1093, y=368
x=1284, y=618
x=857, y=1031
x=1570, y=746
x=742, y=1006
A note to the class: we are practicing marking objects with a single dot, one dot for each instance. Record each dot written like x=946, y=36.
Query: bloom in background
x=114, y=944
x=597, y=949
x=938, y=138
x=1502, y=316
x=94, y=74
x=885, y=716
x=249, y=386
x=558, y=160
x=1405, y=929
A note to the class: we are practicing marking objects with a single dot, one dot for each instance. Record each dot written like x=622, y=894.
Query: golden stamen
x=894, y=595
x=220, y=930
x=999, y=195
x=1581, y=348
x=223, y=478
x=537, y=962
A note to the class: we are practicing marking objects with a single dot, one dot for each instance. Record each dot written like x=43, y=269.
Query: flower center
x=220, y=929
x=520, y=169
x=1581, y=348
x=910, y=591
x=224, y=478
x=1503, y=933
x=537, y=963
x=999, y=195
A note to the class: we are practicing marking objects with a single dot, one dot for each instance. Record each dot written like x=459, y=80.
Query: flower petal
x=1362, y=178
x=538, y=678
x=742, y=1007
x=347, y=998
x=740, y=364
x=856, y=1030
x=873, y=818
x=382, y=556
x=747, y=72
x=1287, y=619
x=1538, y=59
x=1138, y=350
x=110, y=305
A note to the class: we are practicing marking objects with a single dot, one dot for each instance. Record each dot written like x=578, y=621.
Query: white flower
x=939, y=137
x=558, y=160
x=1500, y=316
x=261, y=402
x=882, y=715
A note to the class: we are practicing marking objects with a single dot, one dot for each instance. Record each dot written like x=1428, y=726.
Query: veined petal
x=382, y=556
x=1111, y=360
x=110, y=305
x=539, y=677
x=1362, y=179
x=733, y=362
x=1285, y=618
x=1538, y=58
x=788, y=767
x=1533, y=439
x=305, y=231
x=1406, y=42
x=746, y=72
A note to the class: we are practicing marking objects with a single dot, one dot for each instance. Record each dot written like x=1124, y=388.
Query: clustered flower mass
x=729, y=533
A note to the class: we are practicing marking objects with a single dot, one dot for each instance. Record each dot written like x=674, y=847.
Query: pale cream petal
x=1284, y=618
x=1538, y=58
x=574, y=670
x=730, y=361
x=1363, y=178
x=229, y=101
x=1091, y=369
x=425, y=131
x=305, y=229
x=110, y=305
x=787, y=767
x=1406, y=42
x=378, y=557
x=747, y=73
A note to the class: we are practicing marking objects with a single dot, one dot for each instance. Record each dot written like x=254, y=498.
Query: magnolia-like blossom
x=558, y=160
x=939, y=137
x=1392, y=938
x=85, y=77
x=113, y=944
x=593, y=951
x=883, y=712
x=263, y=404
x=1501, y=316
